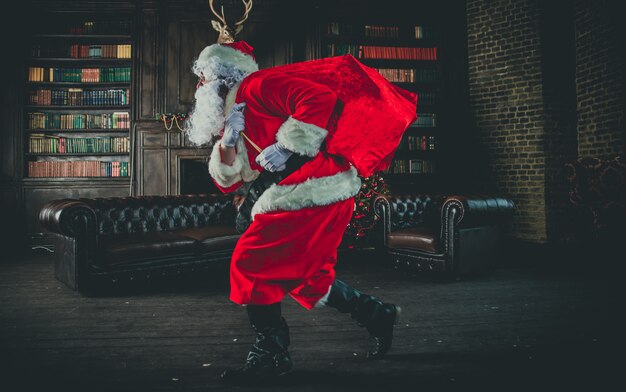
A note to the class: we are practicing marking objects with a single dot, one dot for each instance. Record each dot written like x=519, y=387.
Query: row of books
x=101, y=51
x=77, y=51
x=425, y=120
x=79, y=97
x=83, y=75
x=382, y=52
x=397, y=52
x=412, y=166
x=417, y=143
x=409, y=75
x=115, y=120
x=77, y=169
x=417, y=32
x=51, y=144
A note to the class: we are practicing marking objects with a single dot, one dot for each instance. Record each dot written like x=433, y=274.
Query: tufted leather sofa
x=452, y=235
x=112, y=240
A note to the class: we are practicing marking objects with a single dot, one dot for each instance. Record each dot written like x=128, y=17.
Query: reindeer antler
x=248, y=7
x=221, y=18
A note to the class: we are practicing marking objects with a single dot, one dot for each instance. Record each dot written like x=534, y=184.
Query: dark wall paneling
x=148, y=69
x=11, y=211
x=184, y=40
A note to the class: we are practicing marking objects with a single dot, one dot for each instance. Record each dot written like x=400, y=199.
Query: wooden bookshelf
x=78, y=99
x=407, y=55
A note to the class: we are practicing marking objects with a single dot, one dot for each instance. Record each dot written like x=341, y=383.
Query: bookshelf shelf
x=416, y=152
x=78, y=154
x=82, y=107
x=77, y=104
x=76, y=180
x=381, y=41
x=91, y=61
x=418, y=85
x=80, y=84
x=70, y=37
x=81, y=130
x=398, y=63
x=414, y=129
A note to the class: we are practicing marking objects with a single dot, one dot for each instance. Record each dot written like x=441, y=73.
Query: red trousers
x=289, y=252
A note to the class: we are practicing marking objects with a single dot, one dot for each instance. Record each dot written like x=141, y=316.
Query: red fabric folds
x=292, y=252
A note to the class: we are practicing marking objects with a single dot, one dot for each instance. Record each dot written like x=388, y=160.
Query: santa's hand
x=274, y=157
x=233, y=125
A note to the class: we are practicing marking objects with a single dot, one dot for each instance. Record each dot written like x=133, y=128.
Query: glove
x=233, y=125
x=273, y=158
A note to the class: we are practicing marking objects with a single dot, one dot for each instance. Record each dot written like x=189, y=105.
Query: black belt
x=265, y=180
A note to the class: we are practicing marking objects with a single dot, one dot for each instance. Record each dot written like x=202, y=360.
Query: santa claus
x=258, y=120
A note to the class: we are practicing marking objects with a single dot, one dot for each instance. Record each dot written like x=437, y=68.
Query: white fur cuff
x=313, y=192
x=225, y=175
x=300, y=137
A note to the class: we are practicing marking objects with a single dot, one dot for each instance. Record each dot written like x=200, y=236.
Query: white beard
x=207, y=117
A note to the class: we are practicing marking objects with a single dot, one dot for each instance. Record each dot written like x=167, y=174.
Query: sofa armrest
x=476, y=210
x=472, y=219
x=406, y=210
x=68, y=217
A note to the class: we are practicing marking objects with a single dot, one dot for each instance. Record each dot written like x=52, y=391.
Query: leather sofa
x=109, y=241
x=450, y=235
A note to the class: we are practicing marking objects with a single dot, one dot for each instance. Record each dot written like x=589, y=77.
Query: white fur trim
x=300, y=137
x=228, y=56
x=247, y=174
x=228, y=175
x=324, y=300
x=225, y=175
x=313, y=192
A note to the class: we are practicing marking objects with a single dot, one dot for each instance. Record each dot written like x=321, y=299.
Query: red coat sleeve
x=299, y=98
x=307, y=106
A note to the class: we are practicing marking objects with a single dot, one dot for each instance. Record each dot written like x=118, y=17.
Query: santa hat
x=237, y=55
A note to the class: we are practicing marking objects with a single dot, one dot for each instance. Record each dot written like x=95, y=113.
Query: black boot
x=369, y=312
x=268, y=357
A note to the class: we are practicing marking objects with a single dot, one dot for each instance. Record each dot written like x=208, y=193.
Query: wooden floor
x=521, y=327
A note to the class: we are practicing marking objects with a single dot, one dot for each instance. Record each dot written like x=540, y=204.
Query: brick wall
x=506, y=102
x=546, y=86
x=599, y=78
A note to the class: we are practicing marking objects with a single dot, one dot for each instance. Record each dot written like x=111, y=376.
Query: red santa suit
x=291, y=245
